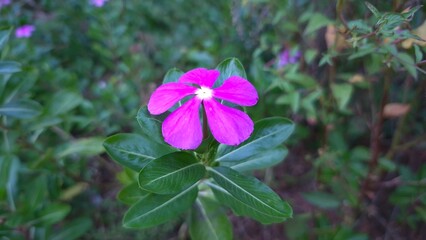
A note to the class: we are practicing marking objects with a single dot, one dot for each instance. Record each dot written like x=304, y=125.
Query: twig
x=375, y=135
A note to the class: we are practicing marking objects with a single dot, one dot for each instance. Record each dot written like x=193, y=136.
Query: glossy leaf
x=171, y=173
x=134, y=151
x=150, y=124
x=248, y=196
x=157, y=209
x=262, y=160
x=227, y=68
x=132, y=194
x=208, y=221
x=23, y=109
x=8, y=67
x=268, y=133
x=84, y=147
x=172, y=75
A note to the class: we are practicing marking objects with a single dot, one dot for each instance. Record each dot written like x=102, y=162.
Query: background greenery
x=356, y=165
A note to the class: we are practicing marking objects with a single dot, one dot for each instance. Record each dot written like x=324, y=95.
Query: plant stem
x=375, y=134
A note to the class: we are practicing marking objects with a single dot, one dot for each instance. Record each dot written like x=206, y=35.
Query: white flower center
x=204, y=93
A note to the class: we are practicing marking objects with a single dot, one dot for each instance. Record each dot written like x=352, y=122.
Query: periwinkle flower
x=98, y=3
x=286, y=57
x=183, y=128
x=24, y=31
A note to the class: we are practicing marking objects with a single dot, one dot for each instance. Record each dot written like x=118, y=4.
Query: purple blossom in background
x=286, y=57
x=183, y=128
x=4, y=3
x=98, y=3
x=24, y=31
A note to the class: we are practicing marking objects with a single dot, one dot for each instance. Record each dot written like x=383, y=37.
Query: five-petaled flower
x=183, y=128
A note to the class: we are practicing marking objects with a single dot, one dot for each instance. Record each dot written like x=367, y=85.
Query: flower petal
x=237, y=90
x=182, y=128
x=200, y=76
x=168, y=95
x=228, y=125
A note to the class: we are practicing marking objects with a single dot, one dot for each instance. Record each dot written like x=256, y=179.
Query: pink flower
x=24, y=31
x=182, y=128
x=98, y=3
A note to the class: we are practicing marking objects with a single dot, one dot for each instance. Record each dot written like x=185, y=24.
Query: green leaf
x=292, y=98
x=418, y=53
x=227, y=68
x=157, y=209
x=150, y=124
x=134, y=151
x=22, y=109
x=84, y=147
x=301, y=79
x=322, y=200
x=268, y=133
x=171, y=173
x=317, y=21
x=51, y=215
x=256, y=200
x=4, y=37
x=9, y=173
x=63, y=102
x=359, y=26
x=8, y=67
x=387, y=165
x=172, y=75
x=410, y=13
x=262, y=160
x=373, y=9
x=366, y=49
x=132, y=194
x=208, y=221
x=408, y=62
x=388, y=22
x=73, y=230
x=342, y=93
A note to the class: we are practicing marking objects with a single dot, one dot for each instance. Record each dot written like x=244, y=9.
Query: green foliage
x=247, y=196
x=171, y=182
x=134, y=151
x=268, y=133
x=85, y=72
x=155, y=209
x=209, y=221
x=171, y=173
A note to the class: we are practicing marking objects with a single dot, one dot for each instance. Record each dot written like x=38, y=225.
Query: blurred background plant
x=350, y=75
